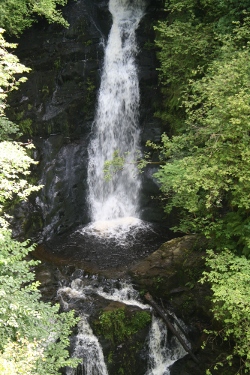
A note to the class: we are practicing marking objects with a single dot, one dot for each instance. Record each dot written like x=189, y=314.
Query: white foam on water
x=125, y=294
x=120, y=230
x=76, y=290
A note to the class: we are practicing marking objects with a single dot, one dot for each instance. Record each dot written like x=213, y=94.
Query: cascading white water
x=125, y=294
x=162, y=352
x=88, y=348
x=116, y=123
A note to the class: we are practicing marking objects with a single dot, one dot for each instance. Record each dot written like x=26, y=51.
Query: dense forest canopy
x=205, y=173
x=189, y=39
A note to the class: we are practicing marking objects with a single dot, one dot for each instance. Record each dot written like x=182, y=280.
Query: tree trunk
x=162, y=314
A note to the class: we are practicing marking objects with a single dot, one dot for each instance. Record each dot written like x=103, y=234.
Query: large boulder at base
x=172, y=273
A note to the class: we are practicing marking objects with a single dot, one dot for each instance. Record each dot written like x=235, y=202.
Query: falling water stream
x=115, y=128
x=162, y=352
x=88, y=348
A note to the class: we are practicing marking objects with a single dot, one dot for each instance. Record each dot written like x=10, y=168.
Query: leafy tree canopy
x=17, y=15
x=10, y=66
x=230, y=278
x=207, y=170
x=189, y=38
x=34, y=337
x=14, y=160
x=205, y=166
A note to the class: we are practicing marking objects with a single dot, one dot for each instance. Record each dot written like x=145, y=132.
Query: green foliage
x=90, y=91
x=206, y=171
x=27, y=325
x=205, y=167
x=26, y=126
x=17, y=15
x=9, y=68
x=189, y=38
x=14, y=160
x=229, y=277
x=19, y=357
x=14, y=169
x=114, y=165
x=117, y=326
x=123, y=329
x=34, y=337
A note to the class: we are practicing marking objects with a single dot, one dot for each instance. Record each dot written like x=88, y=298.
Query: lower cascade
x=88, y=347
x=161, y=350
x=162, y=353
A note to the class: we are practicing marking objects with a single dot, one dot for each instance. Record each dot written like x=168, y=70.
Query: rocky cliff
x=55, y=109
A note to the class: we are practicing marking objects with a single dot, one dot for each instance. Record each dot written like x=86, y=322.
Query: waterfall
x=162, y=351
x=88, y=348
x=115, y=128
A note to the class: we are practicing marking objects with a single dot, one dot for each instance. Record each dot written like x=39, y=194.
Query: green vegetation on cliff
x=189, y=39
x=118, y=326
x=123, y=330
x=204, y=53
x=17, y=15
x=34, y=335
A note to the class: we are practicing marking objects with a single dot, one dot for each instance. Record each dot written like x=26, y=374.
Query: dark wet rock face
x=60, y=94
x=112, y=257
x=63, y=198
x=173, y=272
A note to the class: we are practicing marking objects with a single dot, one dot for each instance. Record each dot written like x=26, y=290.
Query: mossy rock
x=122, y=330
x=172, y=273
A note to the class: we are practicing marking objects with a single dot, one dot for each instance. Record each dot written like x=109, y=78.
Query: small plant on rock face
x=117, y=326
x=58, y=63
x=157, y=282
